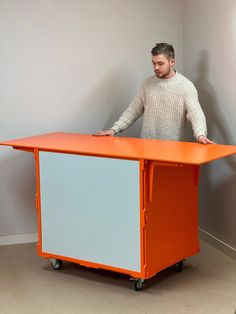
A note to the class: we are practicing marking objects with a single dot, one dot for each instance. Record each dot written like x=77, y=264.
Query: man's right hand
x=110, y=132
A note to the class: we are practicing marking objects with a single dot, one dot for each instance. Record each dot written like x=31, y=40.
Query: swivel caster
x=138, y=284
x=179, y=266
x=56, y=263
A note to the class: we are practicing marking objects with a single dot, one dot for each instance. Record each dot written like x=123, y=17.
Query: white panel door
x=90, y=209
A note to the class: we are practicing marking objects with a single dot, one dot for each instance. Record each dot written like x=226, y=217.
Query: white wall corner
x=18, y=238
x=217, y=243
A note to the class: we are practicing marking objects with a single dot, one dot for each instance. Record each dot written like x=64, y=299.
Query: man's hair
x=163, y=49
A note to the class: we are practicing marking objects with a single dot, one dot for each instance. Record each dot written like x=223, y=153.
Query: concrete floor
x=28, y=285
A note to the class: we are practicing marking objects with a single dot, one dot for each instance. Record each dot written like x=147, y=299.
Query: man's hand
x=110, y=132
x=204, y=140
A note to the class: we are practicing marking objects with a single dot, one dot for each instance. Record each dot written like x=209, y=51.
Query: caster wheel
x=138, y=284
x=179, y=266
x=56, y=263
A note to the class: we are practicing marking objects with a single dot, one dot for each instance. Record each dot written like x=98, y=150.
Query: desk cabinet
x=125, y=215
x=121, y=204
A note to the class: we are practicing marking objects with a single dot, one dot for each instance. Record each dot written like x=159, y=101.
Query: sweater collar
x=166, y=82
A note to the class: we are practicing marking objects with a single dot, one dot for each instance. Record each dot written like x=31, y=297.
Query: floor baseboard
x=217, y=243
x=203, y=235
x=18, y=238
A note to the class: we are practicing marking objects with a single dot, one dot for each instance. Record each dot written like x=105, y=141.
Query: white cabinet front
x=90, y=209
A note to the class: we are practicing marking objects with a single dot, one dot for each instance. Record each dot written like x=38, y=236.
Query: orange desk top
x=123, y=147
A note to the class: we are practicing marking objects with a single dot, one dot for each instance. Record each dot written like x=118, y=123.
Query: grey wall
x=72, y=66
x=209, y=61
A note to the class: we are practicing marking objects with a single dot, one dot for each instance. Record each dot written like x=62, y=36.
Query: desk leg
x=38, y=204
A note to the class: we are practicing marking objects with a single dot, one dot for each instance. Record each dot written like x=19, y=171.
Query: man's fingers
x=99, y=134
x=210, y=142
x=205, y=140
x=104, y=133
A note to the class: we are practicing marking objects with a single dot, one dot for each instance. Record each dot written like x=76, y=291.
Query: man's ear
x=172, y=62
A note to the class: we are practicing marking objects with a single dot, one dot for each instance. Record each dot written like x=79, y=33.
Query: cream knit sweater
x=165, y=104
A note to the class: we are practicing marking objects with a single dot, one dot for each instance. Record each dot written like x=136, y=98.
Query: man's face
x=162, y=66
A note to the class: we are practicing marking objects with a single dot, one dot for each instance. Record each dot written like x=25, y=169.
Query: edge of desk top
x=124, y=147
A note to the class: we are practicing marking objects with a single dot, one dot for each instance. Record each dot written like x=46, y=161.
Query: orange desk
x=122, y=204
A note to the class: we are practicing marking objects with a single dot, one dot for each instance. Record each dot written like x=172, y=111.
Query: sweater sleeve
x=194, y=112
x=131, y=114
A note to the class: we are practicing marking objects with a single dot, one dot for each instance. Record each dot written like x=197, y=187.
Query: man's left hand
x=204, y=140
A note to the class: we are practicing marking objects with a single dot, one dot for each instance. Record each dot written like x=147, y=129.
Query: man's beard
x=163, y=75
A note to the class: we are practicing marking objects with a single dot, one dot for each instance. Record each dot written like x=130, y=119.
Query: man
x=165, y=99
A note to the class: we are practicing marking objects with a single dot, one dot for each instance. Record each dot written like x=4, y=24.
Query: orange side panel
x=172, y=216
